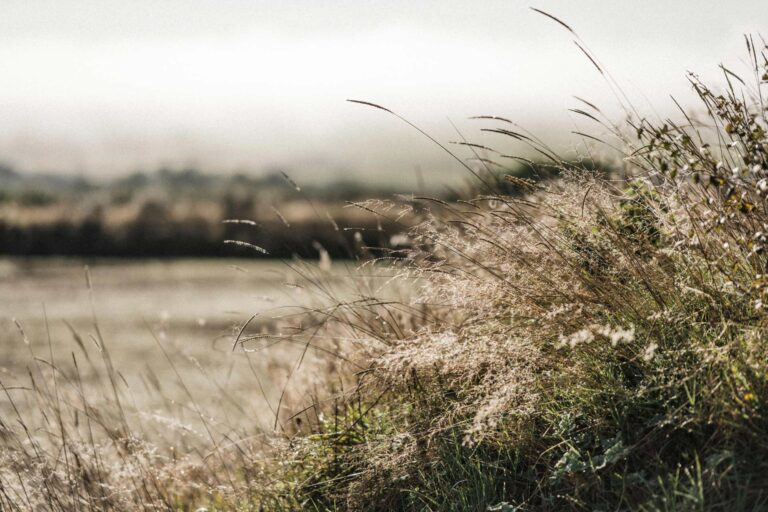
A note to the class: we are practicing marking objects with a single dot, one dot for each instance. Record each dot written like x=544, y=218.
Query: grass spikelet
x=240, y=221
x=240, y=243
x=290, y=181
x=281, y=217
x=553, y=18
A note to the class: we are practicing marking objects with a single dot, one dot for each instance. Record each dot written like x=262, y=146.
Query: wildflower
x=749, y=397
x=650, y=351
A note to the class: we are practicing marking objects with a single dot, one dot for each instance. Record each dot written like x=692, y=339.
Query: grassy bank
x=598, y=344
x=594, y=342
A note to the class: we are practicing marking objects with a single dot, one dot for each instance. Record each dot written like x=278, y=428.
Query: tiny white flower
x=650, y=351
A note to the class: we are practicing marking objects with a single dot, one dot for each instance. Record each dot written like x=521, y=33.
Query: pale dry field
x=168, y=327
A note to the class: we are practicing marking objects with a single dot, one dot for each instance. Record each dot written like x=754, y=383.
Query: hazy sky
x=103, y=87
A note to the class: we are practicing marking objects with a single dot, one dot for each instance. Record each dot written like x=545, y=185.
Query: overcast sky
x=103, y=87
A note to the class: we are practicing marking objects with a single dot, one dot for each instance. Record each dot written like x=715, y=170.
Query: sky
x=108, y=87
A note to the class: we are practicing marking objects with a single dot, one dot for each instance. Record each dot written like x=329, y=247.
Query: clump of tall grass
x=591, y=343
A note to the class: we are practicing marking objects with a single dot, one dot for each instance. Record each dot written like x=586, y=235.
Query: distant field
x=191, y=307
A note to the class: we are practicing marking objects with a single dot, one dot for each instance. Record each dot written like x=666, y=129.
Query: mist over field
x=108, y=88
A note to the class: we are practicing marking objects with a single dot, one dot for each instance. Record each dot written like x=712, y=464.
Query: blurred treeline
x=186, y=213
x=181, y=212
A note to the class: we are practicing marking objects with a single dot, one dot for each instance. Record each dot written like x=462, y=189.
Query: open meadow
x=161, y=347
x=187, y=308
